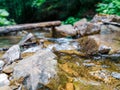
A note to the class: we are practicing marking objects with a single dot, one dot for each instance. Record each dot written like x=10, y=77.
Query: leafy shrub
x=70, y=20
x=109, y=7
x=3, y=18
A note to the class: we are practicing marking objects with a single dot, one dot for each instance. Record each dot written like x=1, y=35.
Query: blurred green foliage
x=26, y=11
x=109, y=7
x=70, y=20
x=3, y=18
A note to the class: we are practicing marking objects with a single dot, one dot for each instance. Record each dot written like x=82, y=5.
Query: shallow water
x=7, y=41
x=75, y=69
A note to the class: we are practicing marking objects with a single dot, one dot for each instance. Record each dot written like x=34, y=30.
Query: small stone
x=104, y=49
x=69, y=86
x=26, y=38
x=116, y=75
x=88, y=64
x=12, y=54
x=5, y=88
x=87, y=61
x=8, y=70
x=4, y=80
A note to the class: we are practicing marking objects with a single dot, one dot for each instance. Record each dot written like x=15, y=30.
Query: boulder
x=64, y=31
x=36, y=69
x=12, y=54
x=87, y=28
x=4, y=80
x=92, y=45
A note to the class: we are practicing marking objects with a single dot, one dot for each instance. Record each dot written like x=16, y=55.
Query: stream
x=73, y=71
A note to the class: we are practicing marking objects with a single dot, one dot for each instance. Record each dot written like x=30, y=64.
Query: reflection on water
x=6, y=41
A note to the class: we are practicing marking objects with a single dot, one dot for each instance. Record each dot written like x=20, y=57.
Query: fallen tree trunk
x=111, y=23
x=14, y=28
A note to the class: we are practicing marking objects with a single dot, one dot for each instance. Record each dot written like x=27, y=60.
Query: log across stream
x=15, y=28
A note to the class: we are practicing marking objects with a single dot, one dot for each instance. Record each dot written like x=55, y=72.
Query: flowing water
x=82, y=73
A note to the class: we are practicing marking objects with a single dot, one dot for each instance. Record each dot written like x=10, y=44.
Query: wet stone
x=87, y=61
x=12, y=54
x=88, y=64
x=116, y=75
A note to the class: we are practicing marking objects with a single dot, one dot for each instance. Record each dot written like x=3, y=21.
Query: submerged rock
x=36, y=69
x=12, y=54
x=64, y=31
x=4, y=80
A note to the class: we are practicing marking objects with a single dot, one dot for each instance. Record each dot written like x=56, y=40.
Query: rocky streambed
x=85, y=56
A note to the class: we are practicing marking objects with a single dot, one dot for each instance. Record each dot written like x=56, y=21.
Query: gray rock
x=38, y=68
x=1, y=64
x=12, y=54
x=27, y=37
x=116, y=75
x=88, y=28
x=4, y=80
